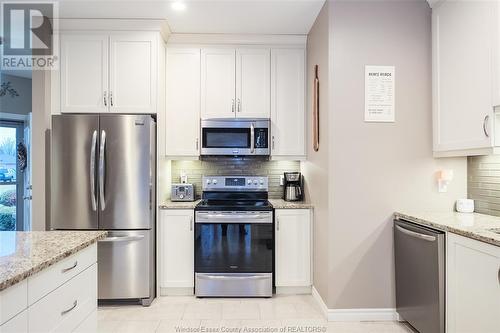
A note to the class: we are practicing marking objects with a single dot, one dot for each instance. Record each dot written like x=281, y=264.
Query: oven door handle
x=225, y=277
x=235, y=217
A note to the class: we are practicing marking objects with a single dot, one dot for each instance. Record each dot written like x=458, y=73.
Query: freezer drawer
x=126, y=265
x=420, y=276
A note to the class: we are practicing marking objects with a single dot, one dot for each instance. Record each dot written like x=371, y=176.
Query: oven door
x=235, y=137
x=233, y=242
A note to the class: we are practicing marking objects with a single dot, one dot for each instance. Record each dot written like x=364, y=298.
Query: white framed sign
x=379, y=93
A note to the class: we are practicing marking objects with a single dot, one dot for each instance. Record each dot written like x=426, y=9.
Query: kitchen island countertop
x=23, y=254
x=472, y=225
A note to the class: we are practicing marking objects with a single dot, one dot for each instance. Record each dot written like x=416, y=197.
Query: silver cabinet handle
x=485, y=123
x=239, y=105
x=232, y=105
x=105, y=98
x=121, y=239
x=64, y=270
x=75, y=303
x=252, y=138
x=28, y=197
x=416, y=234
x=277, y=224
x=111, y=97
x=93, y=198
x=102, y=169
x=273, y=141
x=191, y=224
x=225, y=277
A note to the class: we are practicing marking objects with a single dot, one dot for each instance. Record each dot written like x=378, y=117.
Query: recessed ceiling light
x=178, y=6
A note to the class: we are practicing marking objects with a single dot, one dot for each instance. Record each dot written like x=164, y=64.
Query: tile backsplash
x=234, y=166
x=483, y=183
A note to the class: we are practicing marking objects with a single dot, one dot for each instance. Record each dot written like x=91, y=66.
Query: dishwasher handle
x=427, y=238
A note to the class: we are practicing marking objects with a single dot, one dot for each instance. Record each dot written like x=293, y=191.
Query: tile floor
x=293, y=313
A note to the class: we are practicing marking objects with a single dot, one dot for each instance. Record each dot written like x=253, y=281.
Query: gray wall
x=366, y=171
x=316, y=168
x=20, y=104
x=483, y=183
x=380, y=168
x=234, y=166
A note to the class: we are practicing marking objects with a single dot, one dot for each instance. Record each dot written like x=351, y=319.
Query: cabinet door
x=133, y=72
x=18, y=324
x=84, y=73
x=177, y=248
x=253, y=83
x=463, y=74
x=288, y=102
x=183, y=102
x=218, y=83
x=293, y=247
x=473, y=286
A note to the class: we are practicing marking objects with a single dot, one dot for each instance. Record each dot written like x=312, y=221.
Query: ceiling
x=206, y=16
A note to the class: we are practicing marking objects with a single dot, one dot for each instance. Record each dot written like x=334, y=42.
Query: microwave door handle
x=252, y=138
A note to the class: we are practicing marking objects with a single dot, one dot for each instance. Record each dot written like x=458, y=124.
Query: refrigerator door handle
x=121, y=239
x=102, y=172
x=92, y=171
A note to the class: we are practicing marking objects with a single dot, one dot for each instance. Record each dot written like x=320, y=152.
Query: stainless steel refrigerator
x=103, y=175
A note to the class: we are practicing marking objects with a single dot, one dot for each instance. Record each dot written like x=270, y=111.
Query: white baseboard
x=293, y=290
x=376, y=314
x=176, y=291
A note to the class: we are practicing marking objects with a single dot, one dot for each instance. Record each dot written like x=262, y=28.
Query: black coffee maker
x=294, y=187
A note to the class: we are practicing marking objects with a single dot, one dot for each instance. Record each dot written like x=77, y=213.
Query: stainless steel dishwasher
x=420, y=276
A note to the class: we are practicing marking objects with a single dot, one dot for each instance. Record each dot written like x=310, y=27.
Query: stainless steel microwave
x=235, y=137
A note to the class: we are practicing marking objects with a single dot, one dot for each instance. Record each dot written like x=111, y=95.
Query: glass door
x=11, y=176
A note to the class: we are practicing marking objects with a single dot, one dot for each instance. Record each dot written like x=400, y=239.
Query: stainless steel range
x=234, y=243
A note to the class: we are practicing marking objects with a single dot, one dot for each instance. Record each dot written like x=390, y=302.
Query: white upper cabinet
x=473, y=286
x=133, y=72
x=465, y=76
x=288, y=103
x=115, y=72
x=218, y=83
x=235, y=83
x=84, y=73
x=293, y=248
x=182, y=102
x=253, y=83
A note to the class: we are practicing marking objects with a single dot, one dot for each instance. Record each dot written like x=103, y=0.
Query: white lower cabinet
x=176, y=250
x=473, y=286
x=293, y=248
x=18, y=324
x=57, y=299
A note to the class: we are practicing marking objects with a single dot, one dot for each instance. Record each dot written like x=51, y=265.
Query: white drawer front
x=67, y=306
x=18, y=324
x=51, y=278
x=13, y=300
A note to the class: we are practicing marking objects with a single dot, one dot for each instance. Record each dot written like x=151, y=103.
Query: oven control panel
x=235, y=183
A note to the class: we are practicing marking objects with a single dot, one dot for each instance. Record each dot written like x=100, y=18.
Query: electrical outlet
x=282, y=180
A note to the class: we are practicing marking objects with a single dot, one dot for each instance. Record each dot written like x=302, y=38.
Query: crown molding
x=114, y=25
x=239, y=39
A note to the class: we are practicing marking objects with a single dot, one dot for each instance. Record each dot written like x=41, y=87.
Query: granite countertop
x=282, y=204
x=471, y=225
x=23, y=254
x=179, y=204
x=277, y=203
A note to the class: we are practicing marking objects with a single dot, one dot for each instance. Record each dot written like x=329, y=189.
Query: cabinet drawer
x=51, y=278
x=13, y=300
x=18, y=324
x=66, y=307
